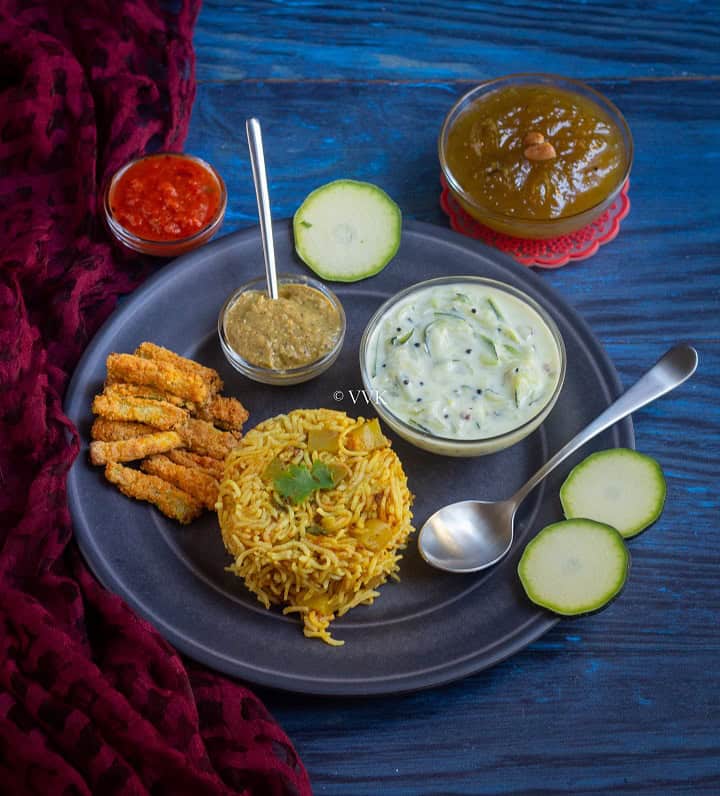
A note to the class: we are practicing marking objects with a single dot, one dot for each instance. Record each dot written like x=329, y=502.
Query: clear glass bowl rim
x=535, y=78
x=449, y=280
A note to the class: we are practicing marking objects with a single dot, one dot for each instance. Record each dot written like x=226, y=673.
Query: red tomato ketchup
x=157, y=202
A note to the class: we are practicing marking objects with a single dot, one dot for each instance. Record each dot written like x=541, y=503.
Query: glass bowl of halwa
x=286, y=340
x=535, y=155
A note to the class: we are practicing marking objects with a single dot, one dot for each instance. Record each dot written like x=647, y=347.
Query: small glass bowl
x=169, y=248
x=290, y=375
x=532, y=227
x=447, y=446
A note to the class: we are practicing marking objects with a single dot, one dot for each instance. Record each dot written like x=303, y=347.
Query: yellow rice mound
x=365, y=520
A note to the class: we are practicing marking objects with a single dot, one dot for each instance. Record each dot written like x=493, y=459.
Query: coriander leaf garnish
x=296, y=482
x=322, y=475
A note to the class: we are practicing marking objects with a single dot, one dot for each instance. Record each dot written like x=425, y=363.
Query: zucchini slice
x=347, y=230
x=620, y=487
x=574, y=567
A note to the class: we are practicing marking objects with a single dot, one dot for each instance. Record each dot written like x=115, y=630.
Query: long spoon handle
x=677, y=365
x=257, y=161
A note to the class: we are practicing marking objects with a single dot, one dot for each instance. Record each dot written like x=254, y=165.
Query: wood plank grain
x=626, y=701
x=558, y=719
x=663, y=265
x=445, y=40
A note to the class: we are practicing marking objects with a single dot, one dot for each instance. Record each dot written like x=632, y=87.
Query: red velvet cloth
x=92, y=700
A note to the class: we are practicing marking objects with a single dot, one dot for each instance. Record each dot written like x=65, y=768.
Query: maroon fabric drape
x=92, y=700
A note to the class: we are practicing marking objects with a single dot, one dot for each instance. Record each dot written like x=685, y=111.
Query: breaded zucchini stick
x=128, y=450
x=117, y=389
x=159, y=354
x=213, y=467
x=203, y=438
x=163, y=376
x=113, y=430
x=173, y=502
x=228, y=413
x=195, y=482
x=159, y=414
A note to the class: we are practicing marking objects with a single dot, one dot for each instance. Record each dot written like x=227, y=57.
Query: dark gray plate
x=426, y=630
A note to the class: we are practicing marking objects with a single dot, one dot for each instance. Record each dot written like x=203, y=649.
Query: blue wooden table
x=626, y=701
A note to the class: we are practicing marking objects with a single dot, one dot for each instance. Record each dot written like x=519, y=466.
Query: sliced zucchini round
x=620, y=487
x=347, y=230
x=574, y=566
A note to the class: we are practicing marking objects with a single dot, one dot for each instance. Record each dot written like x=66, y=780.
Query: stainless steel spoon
x=257, y=161
x=475, y=534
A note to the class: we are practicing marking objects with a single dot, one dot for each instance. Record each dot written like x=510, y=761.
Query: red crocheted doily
x=547, y=253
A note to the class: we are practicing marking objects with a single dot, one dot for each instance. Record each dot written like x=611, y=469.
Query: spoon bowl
x=468, y=536
x=473, y=534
